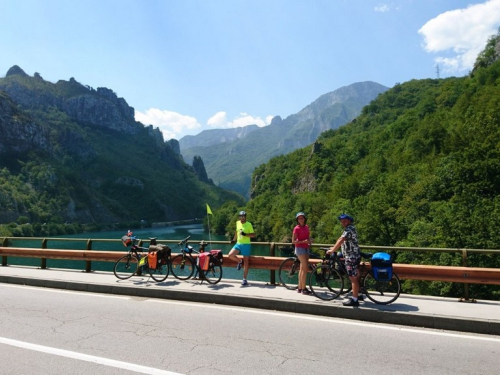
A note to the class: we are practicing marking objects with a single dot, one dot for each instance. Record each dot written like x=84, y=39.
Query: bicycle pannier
x=204, y=261
x=163, y=253
x=126, y=240
x=382, y=266
x=152, y=259
x=218, y=255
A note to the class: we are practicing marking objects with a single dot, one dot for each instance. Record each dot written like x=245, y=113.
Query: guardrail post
x=465, y=298
x=5, y=243
x=88, y=263
x=272, y=277
x=43, y=261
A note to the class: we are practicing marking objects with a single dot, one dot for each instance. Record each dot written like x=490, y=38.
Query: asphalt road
x=47, y=331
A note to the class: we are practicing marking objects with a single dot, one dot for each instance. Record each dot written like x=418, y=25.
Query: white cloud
x=382, y=8
x=220, y=121
x=461, y=33
x=171, y=124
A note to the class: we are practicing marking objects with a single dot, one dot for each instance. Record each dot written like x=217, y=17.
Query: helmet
x=242, y=213
x=346, y=216
x=300, y=214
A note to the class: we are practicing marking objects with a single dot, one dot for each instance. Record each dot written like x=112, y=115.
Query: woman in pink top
x=301, y=239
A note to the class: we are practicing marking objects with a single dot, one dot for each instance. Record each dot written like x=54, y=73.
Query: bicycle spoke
x=182, y=267
x=160, y=273
x=214, y=272
x=325, y=283
x=289, y=273
x=382, y=292
x=126, y=267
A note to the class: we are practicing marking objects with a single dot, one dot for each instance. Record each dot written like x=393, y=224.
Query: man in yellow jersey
x=244, y=231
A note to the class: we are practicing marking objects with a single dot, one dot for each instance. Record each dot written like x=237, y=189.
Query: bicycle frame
x=185, y=256
x=379, y=291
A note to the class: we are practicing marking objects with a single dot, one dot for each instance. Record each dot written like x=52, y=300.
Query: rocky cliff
x=99, y=107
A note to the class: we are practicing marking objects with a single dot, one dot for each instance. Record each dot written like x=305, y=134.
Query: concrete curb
x=481, y=326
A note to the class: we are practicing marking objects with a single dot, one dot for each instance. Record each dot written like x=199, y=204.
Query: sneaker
x=361, y=297
x=238, y=267
x=306, y=292
x=351, y=302
x=299, y=290
x=244, y=282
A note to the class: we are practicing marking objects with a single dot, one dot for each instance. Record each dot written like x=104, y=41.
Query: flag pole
x=209, y=212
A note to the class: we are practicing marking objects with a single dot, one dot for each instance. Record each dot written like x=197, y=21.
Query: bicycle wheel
x=340, y=267
x=182, y=267
x=382, y=292
x=160, y=273
x=289, y=273
x=214, y=272
x=325, y=283
x=126, y=267
x=347, y=284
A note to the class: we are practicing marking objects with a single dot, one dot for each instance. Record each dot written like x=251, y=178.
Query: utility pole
x=437, y=71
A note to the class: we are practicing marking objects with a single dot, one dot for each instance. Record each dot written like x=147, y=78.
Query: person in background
x=302, y=240
x=348, y=241
x=244, y=232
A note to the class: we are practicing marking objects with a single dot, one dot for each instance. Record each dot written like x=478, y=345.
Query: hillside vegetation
x=419, y=167
x=71, y=155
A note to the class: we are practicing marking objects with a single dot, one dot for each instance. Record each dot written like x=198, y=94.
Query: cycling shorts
x=243, y=248
x=352, y=265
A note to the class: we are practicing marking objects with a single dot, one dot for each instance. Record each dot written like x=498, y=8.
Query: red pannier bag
x=204, y=261
x=217, y=254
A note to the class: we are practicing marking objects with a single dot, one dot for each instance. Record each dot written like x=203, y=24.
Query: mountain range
x=231, y=155
x=70, y=153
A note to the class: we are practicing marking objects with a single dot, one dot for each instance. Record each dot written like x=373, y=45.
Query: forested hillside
x=419, y=167
x=72, y=155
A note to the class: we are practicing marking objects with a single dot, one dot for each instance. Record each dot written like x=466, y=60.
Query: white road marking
x=85, y=357
x=50, y=290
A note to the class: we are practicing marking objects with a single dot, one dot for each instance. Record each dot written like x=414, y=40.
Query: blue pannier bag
x=381, y=266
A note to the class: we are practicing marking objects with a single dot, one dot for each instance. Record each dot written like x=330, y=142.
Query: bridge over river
x=419, y=311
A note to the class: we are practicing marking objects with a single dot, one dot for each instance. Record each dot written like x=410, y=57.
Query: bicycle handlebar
x=184, y=240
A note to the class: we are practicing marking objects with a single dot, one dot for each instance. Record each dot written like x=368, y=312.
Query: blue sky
x=190, y=65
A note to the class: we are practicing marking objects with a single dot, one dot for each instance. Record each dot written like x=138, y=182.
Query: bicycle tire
x=160, y=273
x=382, y=292
x=288, y=273
x=347, y=284
x=325, y=283
x=214, y=273
x=182, y=271
x=126, y=266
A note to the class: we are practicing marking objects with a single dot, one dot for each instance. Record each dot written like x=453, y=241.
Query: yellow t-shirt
x=247, y=228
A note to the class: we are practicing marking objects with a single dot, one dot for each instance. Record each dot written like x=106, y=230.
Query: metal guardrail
x=464, y=274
